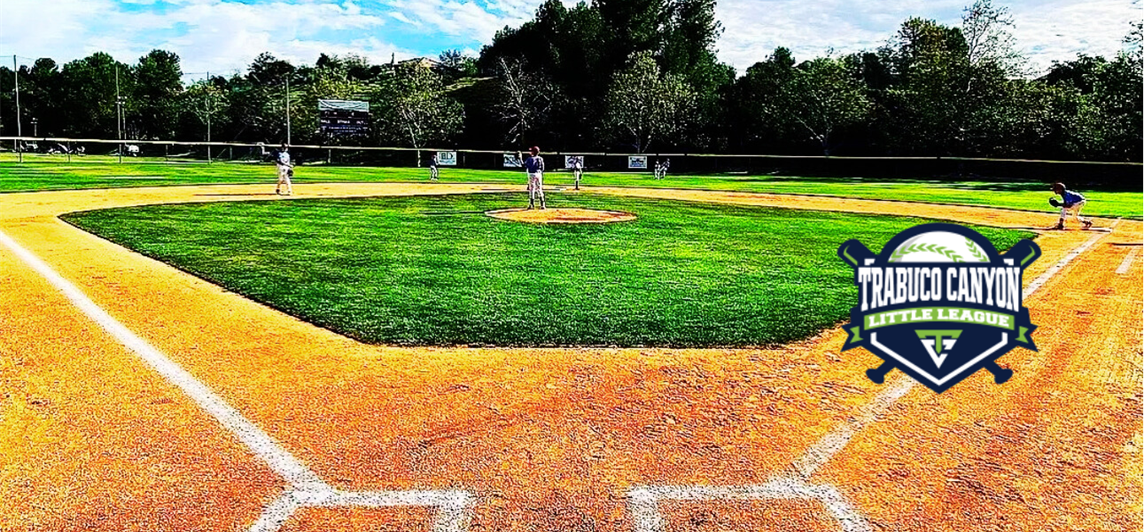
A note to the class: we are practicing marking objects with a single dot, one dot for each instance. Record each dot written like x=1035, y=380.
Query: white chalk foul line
x=645, y=499
x=820, y=453
x=1124, y=266
x=1060, y=265
x=306, y=489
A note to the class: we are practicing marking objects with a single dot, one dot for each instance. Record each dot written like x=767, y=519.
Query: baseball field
x=182, y=349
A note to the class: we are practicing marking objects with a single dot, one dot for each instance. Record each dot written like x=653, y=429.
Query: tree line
x=631, y=75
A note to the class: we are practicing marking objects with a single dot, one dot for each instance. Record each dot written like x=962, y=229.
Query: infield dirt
x=561, y=216
x=549, y=439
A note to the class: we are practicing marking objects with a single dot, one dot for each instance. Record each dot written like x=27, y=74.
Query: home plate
x=561, y=216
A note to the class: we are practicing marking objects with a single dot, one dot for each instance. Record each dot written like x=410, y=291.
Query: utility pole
x=287, y=109
x=118, y=115
x=210, y=111
x=19, y=126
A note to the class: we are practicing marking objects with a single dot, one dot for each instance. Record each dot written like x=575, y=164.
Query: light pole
x=210, y=110
x=287, y=109
x=35, y=129
x=118, y=115
x=19, y=128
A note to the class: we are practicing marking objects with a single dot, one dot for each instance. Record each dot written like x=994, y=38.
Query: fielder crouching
x=1070, y=202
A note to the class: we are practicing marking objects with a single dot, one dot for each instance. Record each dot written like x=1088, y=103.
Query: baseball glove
x=1054, y=202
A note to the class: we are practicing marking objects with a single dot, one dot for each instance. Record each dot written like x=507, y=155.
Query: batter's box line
x=305, y=489
x=644, y=501
x=452, y=505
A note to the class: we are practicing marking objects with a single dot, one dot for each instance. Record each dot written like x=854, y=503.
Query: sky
x=223, y=36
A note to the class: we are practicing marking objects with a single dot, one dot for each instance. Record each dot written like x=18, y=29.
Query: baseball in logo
x=939, y=303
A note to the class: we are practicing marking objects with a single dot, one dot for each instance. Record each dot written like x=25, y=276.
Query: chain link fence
x=1124, y=175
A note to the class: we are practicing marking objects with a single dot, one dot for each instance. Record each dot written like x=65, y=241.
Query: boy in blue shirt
x=1070, y=202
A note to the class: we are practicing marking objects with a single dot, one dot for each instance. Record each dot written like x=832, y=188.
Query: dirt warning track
x=313, y=431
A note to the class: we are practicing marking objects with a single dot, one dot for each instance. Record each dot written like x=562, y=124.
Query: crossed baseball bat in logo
x=1000, y=374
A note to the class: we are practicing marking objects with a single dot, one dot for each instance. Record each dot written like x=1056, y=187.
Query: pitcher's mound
x=561, y=216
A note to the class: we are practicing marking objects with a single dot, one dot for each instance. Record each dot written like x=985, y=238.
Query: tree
x=457, y=65
x=525, y=100
x=40, y=96
x=410, y=107
x=159, y=82
x=644, y=106
x=989, y=41
x=1117, y=86
x=689, y=51
x=927, y=104
x=206, y=102
x=632, y=26
x=1078, y=73
x=813, y=100
x=89, y=92
x=258, y=99
x=1134, y=42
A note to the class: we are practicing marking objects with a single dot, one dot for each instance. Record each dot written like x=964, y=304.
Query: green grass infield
x=434, y=270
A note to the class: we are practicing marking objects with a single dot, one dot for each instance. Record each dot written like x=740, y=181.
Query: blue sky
x=224, y=35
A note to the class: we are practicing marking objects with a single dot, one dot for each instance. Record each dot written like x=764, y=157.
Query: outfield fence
x=53, y=150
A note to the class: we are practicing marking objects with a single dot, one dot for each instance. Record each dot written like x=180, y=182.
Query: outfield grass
x=1031, y=196
x=436, y=271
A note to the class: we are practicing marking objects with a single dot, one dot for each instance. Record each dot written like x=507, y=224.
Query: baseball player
x=578, y=169
x=433, y=173
x=663, y=168
x=285, y=171
x=534, y=166
x=1070, y=202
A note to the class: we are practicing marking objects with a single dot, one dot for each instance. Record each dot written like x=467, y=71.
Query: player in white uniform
x=534, y=166
x=578, y=169
x=433, y=172
x=285, y=170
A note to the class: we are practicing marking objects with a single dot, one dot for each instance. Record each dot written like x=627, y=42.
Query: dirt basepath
x=552, y=439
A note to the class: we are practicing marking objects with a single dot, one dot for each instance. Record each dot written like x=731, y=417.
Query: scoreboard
x=343, y=117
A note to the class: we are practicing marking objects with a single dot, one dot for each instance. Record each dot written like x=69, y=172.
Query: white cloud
x=1045, y=31
x=474, y=20
x=25, y=28
x=225, y=35
x=1058, y=30
x=466, y=19
x=214, y=35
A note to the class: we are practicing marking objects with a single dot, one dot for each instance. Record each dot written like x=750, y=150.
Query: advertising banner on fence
x=637, y=162
x=447, y=158
x=512, y=161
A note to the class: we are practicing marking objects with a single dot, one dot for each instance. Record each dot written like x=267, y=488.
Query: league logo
x=939, y=303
